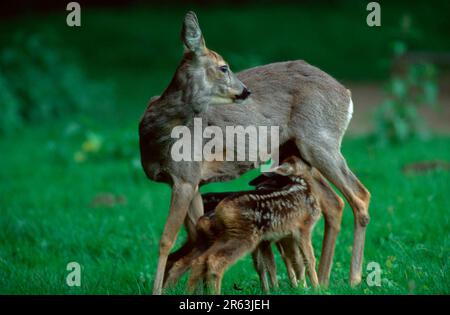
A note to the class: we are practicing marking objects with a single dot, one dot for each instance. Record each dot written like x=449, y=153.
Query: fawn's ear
x=284, y=169
x=191, y=34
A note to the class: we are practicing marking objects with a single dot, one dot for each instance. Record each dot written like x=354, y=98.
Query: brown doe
x=311, y=109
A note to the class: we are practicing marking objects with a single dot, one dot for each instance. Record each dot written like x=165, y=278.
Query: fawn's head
x=298, y=171
x=294, y=166
x=204, y=76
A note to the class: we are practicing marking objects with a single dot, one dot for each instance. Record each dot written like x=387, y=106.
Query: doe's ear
x=191, y=34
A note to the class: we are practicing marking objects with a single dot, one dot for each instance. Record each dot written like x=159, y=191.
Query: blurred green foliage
x=397, y=118
x=412, y=85
x=38, y=82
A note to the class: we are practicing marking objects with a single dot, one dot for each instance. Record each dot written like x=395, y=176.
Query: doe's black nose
x=245, y=93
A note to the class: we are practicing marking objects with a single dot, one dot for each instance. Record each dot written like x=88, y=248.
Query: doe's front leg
x=195, y=211
x=182, y=194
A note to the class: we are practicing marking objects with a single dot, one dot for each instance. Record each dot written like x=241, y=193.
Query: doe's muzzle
x=245, y=93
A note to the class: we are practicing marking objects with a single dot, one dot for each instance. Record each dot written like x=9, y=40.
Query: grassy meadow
x=72, y=188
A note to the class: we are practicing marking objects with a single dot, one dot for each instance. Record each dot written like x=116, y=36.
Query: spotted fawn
x=273, y=200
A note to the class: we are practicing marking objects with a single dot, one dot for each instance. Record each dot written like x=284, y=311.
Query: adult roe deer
x=310, y=107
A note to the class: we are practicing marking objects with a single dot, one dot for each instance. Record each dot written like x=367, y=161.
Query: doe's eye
x=224, y=68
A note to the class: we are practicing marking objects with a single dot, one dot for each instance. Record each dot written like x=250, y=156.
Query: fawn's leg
x=269, y=262
x=258, y=263
x=299, y=264
x=199, y=266
x=332, y=207
x=198, y=272
x=180, y=267
x=292, y=259
x=182, y=194
x=308, y=254
x=221, y=257
x=330, y=162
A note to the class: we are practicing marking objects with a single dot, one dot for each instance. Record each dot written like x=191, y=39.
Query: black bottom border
x=221, y=304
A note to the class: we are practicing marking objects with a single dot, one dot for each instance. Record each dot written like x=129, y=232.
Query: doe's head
x=204, y=71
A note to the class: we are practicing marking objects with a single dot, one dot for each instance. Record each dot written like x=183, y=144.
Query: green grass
x=46, y=218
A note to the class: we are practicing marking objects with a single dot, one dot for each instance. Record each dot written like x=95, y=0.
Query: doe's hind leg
x=332, y=207
x=326, y=157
